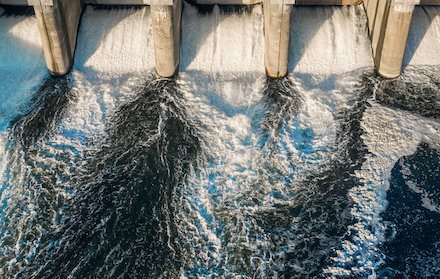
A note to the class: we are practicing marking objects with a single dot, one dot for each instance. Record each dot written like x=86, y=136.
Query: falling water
x=220, y=172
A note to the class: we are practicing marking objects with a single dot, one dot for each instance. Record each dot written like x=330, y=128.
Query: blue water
x=220, y=172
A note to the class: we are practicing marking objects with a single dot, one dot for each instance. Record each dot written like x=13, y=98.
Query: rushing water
x=221, y=172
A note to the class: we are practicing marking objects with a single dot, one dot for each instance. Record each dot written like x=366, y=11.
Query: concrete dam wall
x=388, y=23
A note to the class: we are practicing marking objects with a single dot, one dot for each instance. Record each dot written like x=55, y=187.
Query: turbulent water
x=221, y=172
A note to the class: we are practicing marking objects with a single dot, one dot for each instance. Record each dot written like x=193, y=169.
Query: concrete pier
x=389, y=22
x=58, y=24
x=226, y=2
x=166, y=32
x=291, y=2
x=276, y=37
x=327, y=2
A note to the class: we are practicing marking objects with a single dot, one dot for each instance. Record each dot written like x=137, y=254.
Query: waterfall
x=221, y=171
x=402, y=117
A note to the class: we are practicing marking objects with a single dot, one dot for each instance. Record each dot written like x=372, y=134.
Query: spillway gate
x=388, y=23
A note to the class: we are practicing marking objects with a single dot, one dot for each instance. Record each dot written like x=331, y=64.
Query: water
x=221, y=172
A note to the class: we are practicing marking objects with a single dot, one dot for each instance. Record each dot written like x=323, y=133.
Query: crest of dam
x=112, y=171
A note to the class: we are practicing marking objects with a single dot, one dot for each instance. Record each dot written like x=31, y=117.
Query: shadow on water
x=122, y=222
x=17, y=50
x=413, y=216
x=46, y=108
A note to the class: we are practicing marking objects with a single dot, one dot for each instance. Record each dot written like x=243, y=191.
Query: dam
x=389, y=24
x=113, y=171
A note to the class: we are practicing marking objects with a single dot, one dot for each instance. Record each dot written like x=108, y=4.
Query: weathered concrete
x=226, y=2
x=277, y=28
x=58, y=22
x=277, y=37
x=209, y=2
x=166, y=33
x=129, y=2
x=290, y=2
x=327, y=2
x=389, y=22
x=94, y=2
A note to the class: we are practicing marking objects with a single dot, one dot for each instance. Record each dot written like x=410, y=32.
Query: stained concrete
x=290, y=2
x=227, y=2
x=58, y=22
x=276, y=37
x=327, y=2
x=166, y=33
x=389, y=23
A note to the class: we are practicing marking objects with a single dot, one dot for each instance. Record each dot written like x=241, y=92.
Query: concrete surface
x=166, y=34
x=389, y=23
x=276, y=37
x=58, y=22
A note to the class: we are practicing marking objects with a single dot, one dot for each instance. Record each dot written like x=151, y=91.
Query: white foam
x=112, y=62
x=427, y=202
x=390, y=135
x=226, y=108
x=243, y=173
x=222, y=92
x=114, y=56
x=222, y=80
x=329, y=40
x=115, y=41
x=222, y=42
x=86, y=119
x=22, y=68
x=20, y=44
x=22, y=63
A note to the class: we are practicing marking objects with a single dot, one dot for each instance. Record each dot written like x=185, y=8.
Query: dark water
x=148, y=198
x=45, y=109
x=421, y=97
x=16, y=11
x=320, y=213
x=121, y=221
x=412, y=247
x=122, y=218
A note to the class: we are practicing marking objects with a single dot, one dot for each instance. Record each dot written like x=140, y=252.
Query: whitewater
x=220, y=172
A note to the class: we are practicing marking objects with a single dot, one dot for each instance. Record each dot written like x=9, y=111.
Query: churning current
x=221, y=172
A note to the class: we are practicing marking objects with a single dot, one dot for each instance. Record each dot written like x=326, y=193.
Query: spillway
x=220, y=172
